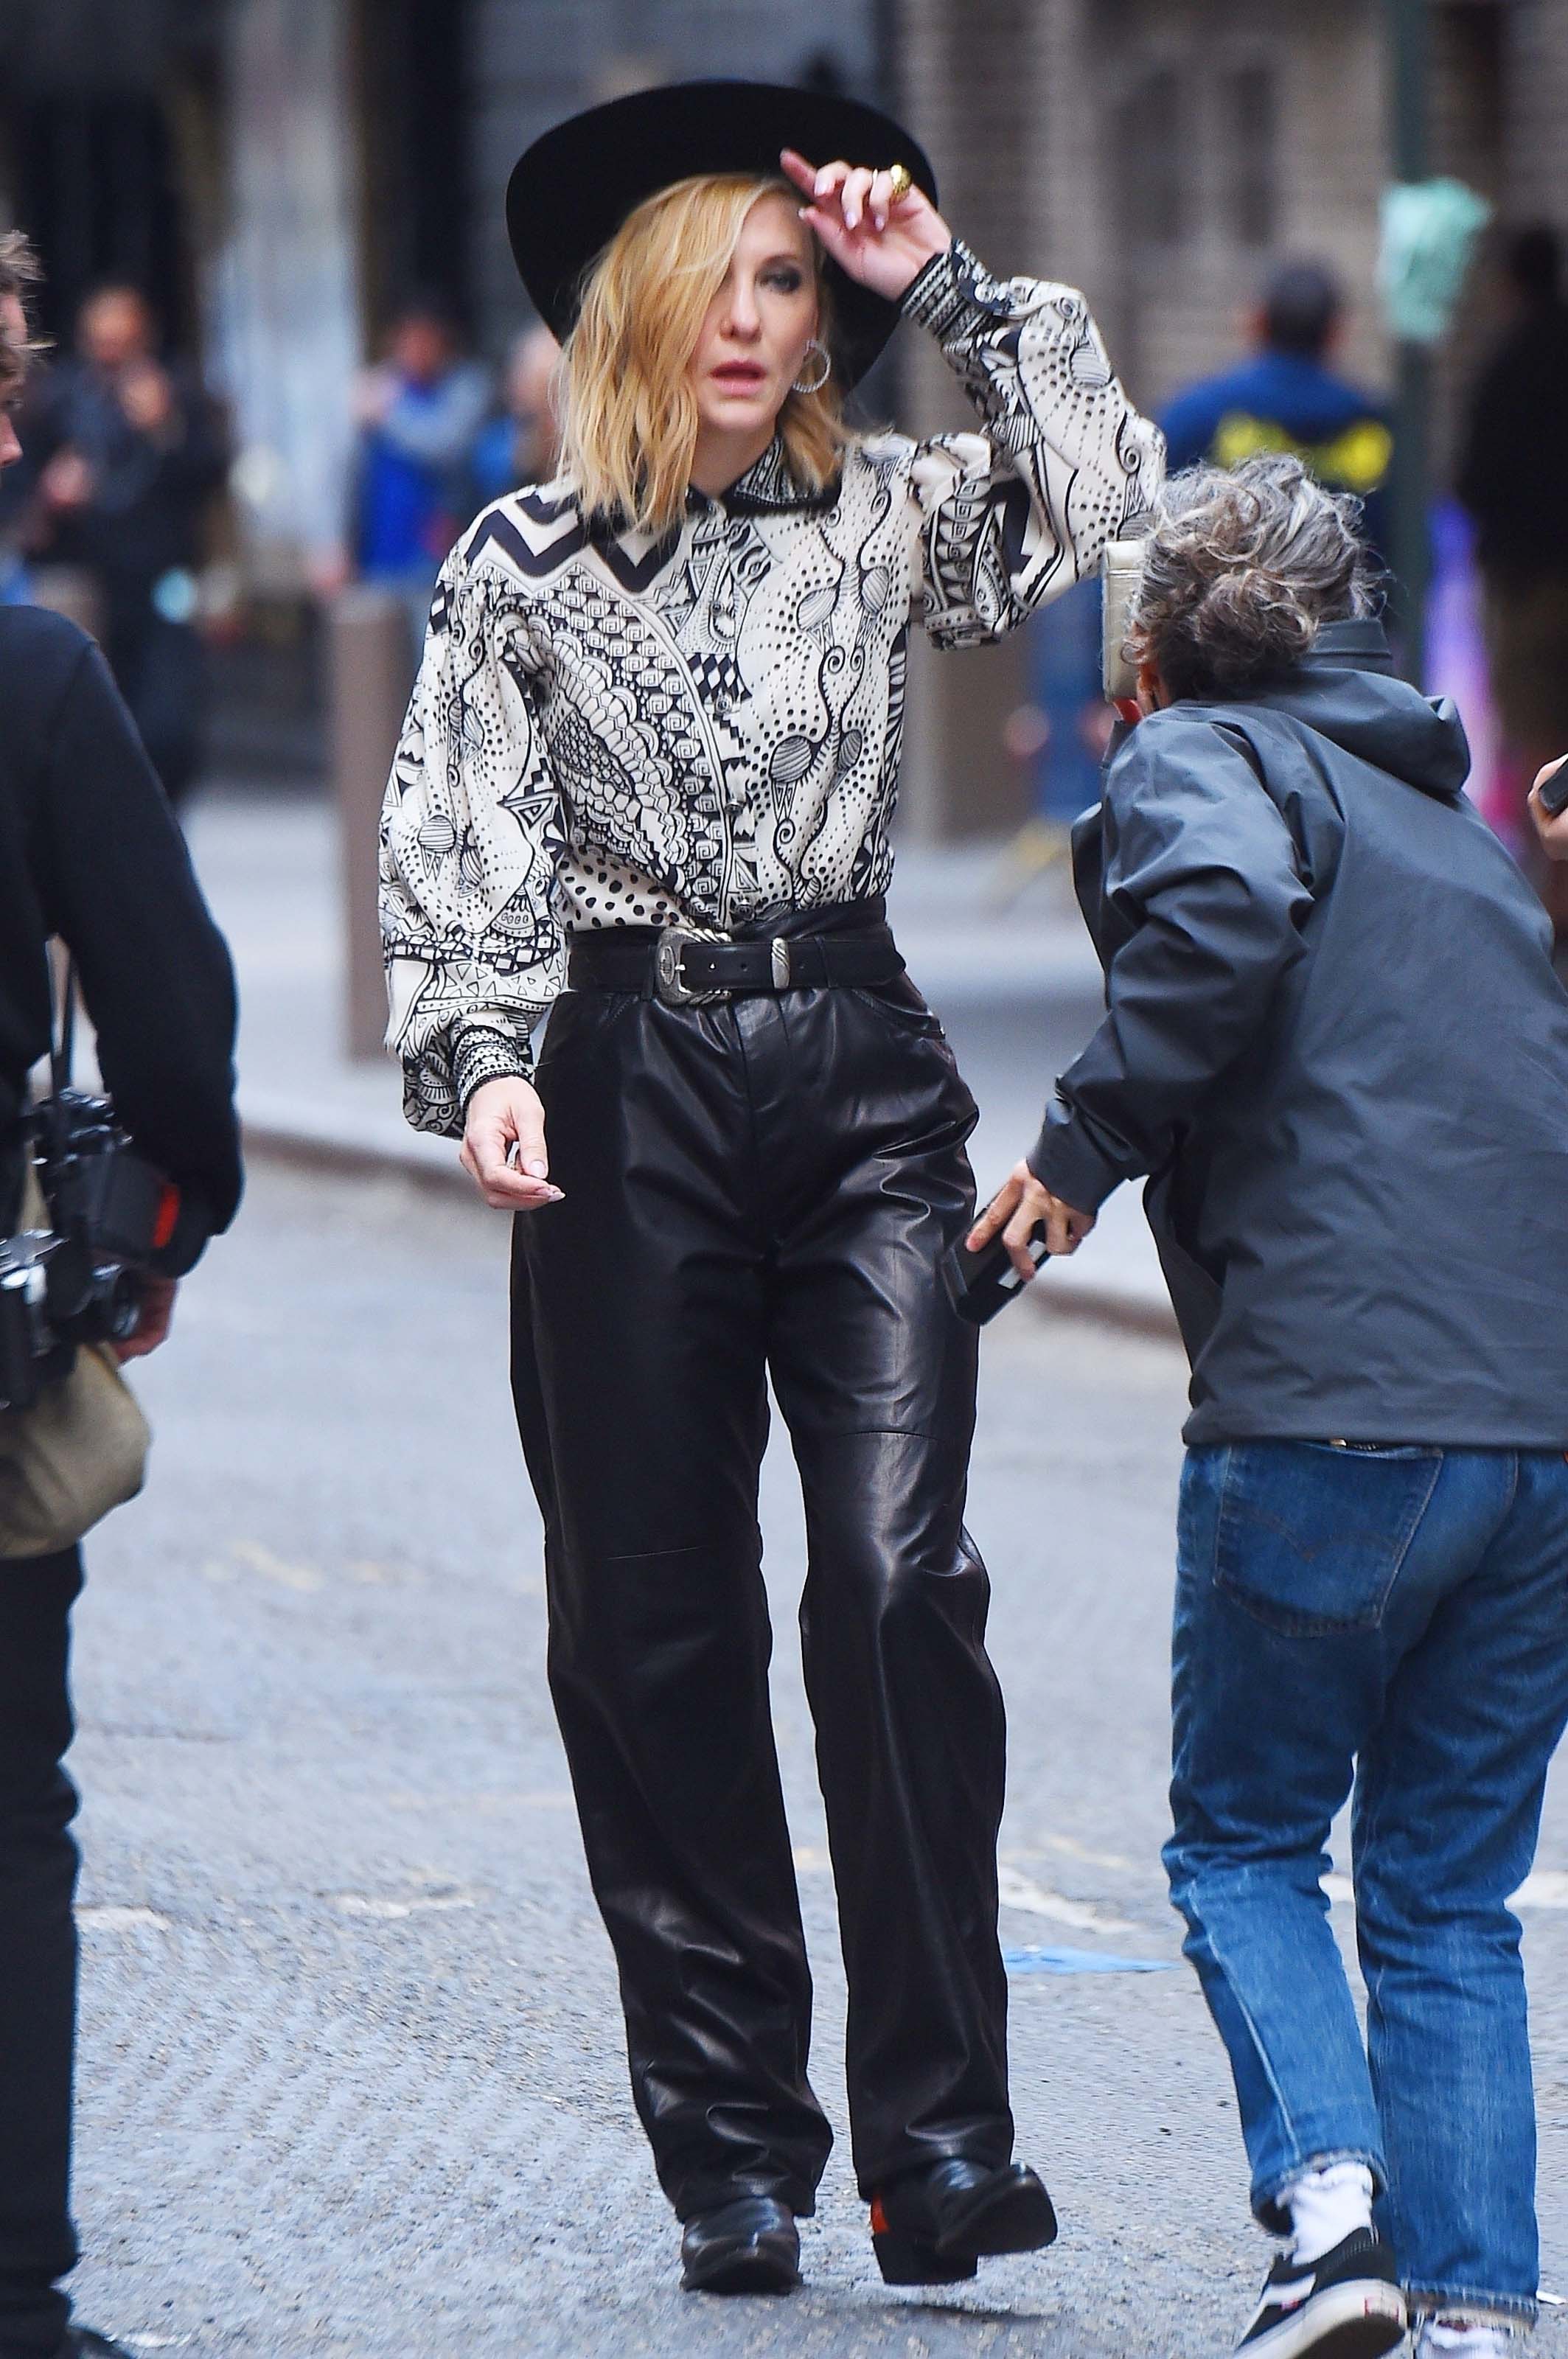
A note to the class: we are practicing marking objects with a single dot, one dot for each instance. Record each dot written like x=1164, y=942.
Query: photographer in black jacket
x=88, y=850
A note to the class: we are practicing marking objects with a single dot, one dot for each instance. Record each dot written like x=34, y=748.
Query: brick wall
x=1160, y=159
x=535, y=61
x=1535, y=165
x=1114, y=137
x=1224, y=136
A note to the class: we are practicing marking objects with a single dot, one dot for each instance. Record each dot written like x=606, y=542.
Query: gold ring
x=899, y=174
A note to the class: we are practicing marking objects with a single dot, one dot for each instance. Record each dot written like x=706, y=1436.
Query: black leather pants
x=765, y=1185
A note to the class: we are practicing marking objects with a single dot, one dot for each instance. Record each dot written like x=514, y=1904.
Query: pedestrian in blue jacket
x=1287, y=396
x=1336, y=1044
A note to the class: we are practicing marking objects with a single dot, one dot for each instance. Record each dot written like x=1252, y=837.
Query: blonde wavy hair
x=630, y=431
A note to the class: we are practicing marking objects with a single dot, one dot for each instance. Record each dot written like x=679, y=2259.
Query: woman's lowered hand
x=503, y=1146
x=875, y=237
x=1018, y=1208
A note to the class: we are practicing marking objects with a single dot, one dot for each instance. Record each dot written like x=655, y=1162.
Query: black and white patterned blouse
x=704, y=730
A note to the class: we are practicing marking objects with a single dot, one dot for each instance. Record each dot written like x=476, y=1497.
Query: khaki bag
x=80, y=1450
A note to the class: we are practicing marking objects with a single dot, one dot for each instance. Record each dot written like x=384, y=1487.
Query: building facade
x=1163, y=157
x=279, y=172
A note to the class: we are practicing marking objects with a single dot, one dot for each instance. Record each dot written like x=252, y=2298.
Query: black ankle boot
x=933, y=2226
x=751, y=2246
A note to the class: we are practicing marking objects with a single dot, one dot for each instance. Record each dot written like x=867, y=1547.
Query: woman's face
x=752, y=343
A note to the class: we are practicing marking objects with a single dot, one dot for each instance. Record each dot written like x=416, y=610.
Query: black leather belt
x=666, y=963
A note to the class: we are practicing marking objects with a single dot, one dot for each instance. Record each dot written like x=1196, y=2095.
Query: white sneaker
x=1465, y=2342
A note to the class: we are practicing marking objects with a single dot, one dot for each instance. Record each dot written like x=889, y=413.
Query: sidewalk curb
x=266, y=1142
x=1102, y=1308
x=270, y=1142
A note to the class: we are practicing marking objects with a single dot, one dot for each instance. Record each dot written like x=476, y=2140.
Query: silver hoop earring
x=815, y=345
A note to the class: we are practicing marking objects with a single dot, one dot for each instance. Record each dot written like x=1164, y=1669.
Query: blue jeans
x=1401, y=1616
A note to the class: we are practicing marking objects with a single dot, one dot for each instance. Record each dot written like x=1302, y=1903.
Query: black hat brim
x=571, y=192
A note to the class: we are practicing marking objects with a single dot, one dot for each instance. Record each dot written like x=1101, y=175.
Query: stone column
x=969, y=87
x=285, y=335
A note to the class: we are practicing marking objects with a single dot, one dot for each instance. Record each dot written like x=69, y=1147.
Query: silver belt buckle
x=779, y=958
x=668, y=982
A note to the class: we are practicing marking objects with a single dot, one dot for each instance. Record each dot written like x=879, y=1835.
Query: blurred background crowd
x=292, y=354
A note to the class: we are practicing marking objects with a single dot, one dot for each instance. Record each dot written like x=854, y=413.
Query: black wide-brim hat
x=572, y=188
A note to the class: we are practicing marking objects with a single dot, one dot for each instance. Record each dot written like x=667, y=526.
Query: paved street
x=351, y=2078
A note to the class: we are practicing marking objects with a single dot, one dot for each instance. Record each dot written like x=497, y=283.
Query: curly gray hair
x=1241, y=571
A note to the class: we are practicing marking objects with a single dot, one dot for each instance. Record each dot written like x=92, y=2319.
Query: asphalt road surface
x=351, y=2078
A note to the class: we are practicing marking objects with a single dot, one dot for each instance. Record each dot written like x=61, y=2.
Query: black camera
x=80, y=1279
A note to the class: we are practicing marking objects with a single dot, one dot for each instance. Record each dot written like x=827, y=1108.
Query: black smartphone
x=1554, y=791
x=983, y=1283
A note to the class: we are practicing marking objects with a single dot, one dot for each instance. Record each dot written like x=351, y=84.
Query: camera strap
x=63, y=1056
x=62, y=1026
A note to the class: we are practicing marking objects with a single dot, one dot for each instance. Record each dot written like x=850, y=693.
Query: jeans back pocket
x=1309, y=1538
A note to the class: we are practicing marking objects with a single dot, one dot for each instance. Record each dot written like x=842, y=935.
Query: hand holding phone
x=983, y=1283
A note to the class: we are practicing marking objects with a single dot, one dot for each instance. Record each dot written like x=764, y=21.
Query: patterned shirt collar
x=767, y=485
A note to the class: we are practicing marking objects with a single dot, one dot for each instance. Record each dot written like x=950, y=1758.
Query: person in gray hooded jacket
x=1335, y=1043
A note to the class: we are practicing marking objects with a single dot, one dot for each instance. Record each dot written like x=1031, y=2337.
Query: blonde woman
x=651, y=763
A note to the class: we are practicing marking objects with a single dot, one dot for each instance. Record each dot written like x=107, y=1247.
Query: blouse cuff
x=955, y=298
x=485, y=1052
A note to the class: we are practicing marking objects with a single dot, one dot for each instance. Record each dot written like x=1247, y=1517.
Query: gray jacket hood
x=1346, y=692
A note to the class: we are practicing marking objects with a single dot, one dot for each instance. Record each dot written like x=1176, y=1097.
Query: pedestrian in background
x=653, y=754
x=89, y=852
x=523, y=444
x=125, y=455
x=1287, y=397
x=419, y=413
x=1513, y=479
x=1337, y=1043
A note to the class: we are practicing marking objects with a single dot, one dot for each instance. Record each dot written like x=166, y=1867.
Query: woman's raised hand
x=503, y=1146
x=882, y=240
